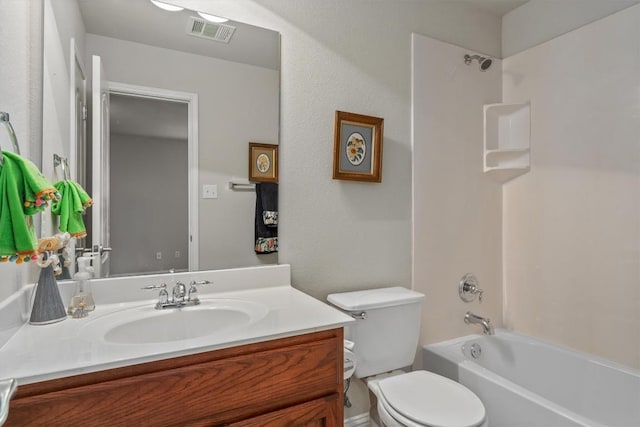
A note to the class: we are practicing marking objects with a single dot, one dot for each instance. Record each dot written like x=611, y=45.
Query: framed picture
x=263, y=162
x=357, y=149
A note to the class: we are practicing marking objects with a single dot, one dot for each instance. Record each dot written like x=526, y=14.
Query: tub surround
x=448, y=147
x=570, y=227
x=38, y=353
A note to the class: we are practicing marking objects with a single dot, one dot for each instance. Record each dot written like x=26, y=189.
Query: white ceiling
x=142, y=22
x=494, y=7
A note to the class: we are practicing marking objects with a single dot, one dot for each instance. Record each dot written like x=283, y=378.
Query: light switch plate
x=210, y=191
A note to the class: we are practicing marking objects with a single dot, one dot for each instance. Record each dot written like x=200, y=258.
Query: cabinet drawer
x=317, y=413
x=216, y=391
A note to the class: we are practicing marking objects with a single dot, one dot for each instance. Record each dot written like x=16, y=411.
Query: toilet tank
x=387, y=337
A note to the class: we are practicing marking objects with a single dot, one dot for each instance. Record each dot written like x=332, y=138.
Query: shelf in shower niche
x=507, y=140
x=507, y=158
x=503, y=174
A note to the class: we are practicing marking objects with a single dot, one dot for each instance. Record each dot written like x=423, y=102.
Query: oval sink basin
x=146, y=325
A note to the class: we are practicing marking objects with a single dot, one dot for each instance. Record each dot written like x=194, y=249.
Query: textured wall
x=352, y=56
x=21, y=97
x=572, y=225
x=62, y=20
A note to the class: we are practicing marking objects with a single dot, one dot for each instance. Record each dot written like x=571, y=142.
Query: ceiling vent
x=202, y=28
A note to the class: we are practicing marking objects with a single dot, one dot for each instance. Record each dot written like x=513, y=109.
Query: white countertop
x=44, y=352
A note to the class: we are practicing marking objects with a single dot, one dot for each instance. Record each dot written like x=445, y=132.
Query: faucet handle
x=8, y=388
x=163, y=295
x=199, y=282
x=162, y=286
x=193, y=290
x=192, y=285
x=468, y=288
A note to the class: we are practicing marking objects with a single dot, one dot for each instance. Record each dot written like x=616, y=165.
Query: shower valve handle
x=468, y=288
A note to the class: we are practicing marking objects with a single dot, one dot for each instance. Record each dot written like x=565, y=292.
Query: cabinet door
x=323, y=412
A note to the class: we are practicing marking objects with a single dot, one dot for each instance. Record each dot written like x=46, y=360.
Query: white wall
x=457, y=209
x=538, y=21
x=21, y=72
x=572, y=225
x=238, y=103
x=62, y=20
x=21, y=97
x=351, y=56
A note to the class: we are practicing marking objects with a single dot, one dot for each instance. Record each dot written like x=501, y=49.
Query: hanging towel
x=266, y=219
x=71, y=206
x=24, y=191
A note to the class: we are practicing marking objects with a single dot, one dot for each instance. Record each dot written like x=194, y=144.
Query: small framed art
x=357, y=149
x=263, y=162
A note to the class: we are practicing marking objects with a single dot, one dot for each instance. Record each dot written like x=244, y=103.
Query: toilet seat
x=422, y=398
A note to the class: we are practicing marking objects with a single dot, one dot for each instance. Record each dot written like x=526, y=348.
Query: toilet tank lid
x=374, y=298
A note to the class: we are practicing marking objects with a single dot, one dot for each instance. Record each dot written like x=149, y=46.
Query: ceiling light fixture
x=213, y=18
x=166, y=6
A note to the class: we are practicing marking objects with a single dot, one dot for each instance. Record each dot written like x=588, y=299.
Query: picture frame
x=357, y=149
x=263, y=162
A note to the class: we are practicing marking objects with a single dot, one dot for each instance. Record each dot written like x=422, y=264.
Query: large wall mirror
x=149, y=106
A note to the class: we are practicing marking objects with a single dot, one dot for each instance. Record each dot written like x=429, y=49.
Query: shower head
x=484, y=62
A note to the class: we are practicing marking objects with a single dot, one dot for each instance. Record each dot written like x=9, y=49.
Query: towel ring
x=64, y=164
x=4, y=119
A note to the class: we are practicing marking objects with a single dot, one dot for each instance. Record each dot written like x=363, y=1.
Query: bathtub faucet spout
x=485, y=322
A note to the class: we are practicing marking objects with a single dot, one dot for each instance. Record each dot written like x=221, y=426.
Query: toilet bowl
x=425, y=399
x=385, y=337
x=349, y=358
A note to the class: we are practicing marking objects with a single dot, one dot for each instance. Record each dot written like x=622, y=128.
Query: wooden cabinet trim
x=165, y=364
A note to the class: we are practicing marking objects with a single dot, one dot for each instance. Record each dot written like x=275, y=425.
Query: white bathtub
x=525, y=382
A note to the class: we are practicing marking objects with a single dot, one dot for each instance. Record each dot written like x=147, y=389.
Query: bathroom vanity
x=284, y=367
x=288, y=381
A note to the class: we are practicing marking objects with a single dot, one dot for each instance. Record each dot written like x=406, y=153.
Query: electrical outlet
x=177, y=254
x=158, y=255
x=210, y=191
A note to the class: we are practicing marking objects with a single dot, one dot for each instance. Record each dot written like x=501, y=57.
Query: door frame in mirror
x=77, y=146
x=191, y=99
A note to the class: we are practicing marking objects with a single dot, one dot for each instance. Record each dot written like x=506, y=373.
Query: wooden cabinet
x=294, y=381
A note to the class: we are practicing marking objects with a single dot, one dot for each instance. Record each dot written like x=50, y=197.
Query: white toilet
x=386, y=338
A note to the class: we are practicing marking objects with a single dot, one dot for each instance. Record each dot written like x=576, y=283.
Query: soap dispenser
x=82, y=301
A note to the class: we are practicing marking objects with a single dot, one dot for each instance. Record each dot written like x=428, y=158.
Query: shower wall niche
x=507, y=140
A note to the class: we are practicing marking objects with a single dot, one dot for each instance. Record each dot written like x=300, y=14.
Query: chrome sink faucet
x=178, y=294
x=485, y=322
